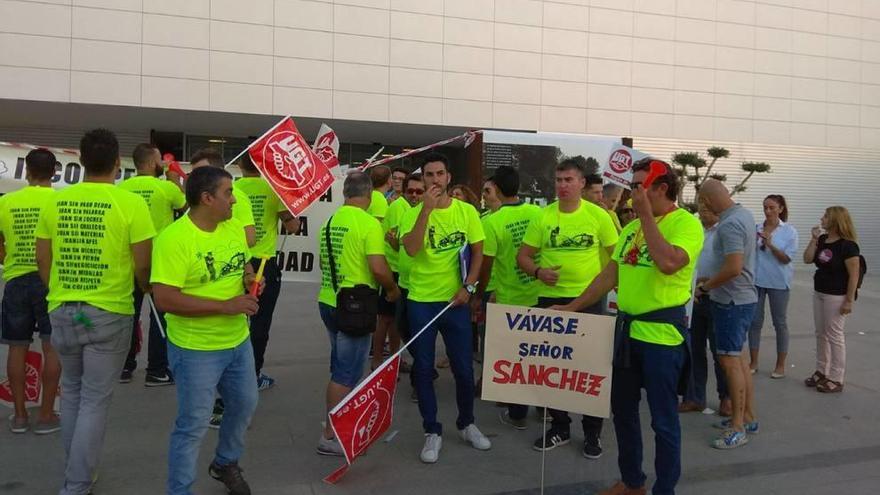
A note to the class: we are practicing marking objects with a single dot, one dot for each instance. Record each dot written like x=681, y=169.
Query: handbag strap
x=330, y=257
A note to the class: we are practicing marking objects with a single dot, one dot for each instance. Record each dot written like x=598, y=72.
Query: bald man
x=731, y=290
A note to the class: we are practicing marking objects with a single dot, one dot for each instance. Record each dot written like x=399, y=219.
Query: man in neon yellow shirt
x=385, y=324
x=93, y=240
x=570, y=237
x=200, y=272
x=163, y=197
x=433, y=234
x=241, y=210
x=380, y=176
x=358, y=257
x=653, y=268
x=267, y=210
x=24, y=296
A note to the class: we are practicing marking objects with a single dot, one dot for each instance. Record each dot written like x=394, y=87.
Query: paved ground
x=809, y=443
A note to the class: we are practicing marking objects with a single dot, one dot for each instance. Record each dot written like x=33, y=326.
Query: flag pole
x=255, y=140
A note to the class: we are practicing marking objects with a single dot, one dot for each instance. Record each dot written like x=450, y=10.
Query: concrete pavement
x=809, y=443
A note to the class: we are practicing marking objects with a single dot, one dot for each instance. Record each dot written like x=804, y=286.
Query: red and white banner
x=294, y=171
x=33, y=365
x=618, y=168
x=548, y=358
x=327, y=146
x=364, y=414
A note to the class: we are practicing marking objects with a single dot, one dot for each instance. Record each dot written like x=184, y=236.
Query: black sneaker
x=125, y=376
x=230, y=475
x=158, y=380
x=592, y=446
x=551, y=440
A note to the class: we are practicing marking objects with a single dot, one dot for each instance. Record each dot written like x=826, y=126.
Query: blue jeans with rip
x=199, y=374
x=656, y=368
x=455, y=327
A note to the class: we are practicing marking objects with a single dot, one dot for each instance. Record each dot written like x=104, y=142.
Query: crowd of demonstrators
x=80, y=261
x=835, y=284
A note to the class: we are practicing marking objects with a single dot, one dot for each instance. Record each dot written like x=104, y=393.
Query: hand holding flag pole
x=255, y=285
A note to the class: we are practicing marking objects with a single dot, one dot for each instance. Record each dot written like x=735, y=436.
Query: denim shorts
x=348, y=355
x=731, y=323
x=24, y=310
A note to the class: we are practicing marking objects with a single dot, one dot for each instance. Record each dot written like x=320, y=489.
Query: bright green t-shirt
x=493, y=277
x=378, y=205
x=162, y=197
x=643, y=287
x=208, y=265
x=504, y=236
x=265, y=206
x=19, y=213
x=242, y=211
x=391, y=222
x=92, y=227
x=435, y=274
x=571, y=241
x=354, y=234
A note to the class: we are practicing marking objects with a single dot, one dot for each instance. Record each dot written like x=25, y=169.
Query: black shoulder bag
x=356, y=307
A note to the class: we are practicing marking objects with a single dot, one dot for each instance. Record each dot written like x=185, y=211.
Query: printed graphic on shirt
x=226, y=263
x=337, y=235
x=440, y=241
x=24, y=223
x=80, y=228
x=570, y=241
x=825, y=255
x=639, y=256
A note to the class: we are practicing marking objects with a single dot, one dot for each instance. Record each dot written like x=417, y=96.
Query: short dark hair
x=215, y=159
x=669, y=178
x=436, y=156
x=610, y=188
x=142, y=153
x=780, y=200
x=570, y=164
x=245, y=163
x=416, y=176
x=400, y=169
x=204, y=180
x=40, y=163
x=506, y=179
x=593, y=179
x=99, y=151
x=380, y=175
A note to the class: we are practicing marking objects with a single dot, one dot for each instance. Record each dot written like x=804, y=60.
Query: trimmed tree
x=693, y=169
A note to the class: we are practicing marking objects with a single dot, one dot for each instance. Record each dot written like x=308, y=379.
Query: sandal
x=829, y=387
x=815, y=379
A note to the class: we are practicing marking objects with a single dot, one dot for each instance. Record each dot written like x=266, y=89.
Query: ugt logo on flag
x=294, y=171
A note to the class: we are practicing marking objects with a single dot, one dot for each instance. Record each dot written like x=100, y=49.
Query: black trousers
x=157, y=346
x=261, y=323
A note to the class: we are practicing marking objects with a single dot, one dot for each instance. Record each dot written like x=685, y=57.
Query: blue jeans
x=348, y=355
x=731, y=323
x=455, y=327
x=701, y=333
x=199, y=374
x=656, y=368
x=778, y=309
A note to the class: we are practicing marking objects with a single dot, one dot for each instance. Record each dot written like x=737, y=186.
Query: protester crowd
x=80, y=261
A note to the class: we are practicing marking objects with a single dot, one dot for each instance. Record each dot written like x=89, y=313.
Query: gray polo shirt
x=736, y=234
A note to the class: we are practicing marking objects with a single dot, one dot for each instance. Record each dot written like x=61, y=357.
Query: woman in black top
x=836, y=256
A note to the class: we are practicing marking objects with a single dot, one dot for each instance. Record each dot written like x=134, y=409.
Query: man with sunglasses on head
x=652, y=267
x=568, y=238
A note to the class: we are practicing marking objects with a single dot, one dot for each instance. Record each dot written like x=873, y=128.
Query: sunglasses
x=415, y=191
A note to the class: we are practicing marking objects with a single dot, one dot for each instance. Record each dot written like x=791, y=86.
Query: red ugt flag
x=327, y=146
x=32, y=384
x=365, y=414
x=294, y=171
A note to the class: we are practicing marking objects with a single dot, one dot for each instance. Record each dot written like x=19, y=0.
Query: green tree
x=693, y=169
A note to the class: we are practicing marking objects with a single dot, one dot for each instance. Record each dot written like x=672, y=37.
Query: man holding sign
x=200, y=273
x=434, y=233
x=653, y=268
x=568, y=237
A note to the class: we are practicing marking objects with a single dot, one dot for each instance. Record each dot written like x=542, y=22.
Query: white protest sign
x=68, y=170
x=548, y=358
x=618, y=168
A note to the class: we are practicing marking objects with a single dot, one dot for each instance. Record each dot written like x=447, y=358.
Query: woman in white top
x=777, y=245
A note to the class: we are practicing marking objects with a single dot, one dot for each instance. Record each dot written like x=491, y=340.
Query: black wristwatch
x=471, y=289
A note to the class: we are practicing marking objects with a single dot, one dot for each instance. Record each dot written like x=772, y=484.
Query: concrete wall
x=802, y=72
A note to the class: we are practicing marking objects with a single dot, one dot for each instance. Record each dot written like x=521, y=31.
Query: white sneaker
x=473, y=436
x=431, y=450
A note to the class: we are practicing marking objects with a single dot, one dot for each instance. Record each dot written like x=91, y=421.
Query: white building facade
x=795, y=83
